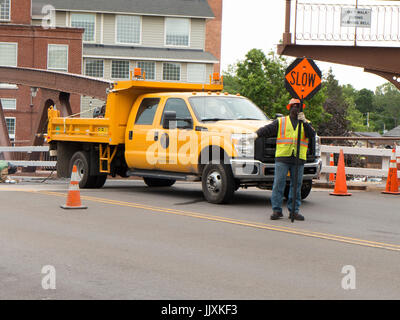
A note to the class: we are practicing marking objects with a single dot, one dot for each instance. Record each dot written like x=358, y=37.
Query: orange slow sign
x=303, y=78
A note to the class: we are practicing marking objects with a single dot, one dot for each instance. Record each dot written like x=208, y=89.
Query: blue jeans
x=281, y=171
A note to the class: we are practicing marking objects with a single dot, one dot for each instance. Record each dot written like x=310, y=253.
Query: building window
x=171, y=71
x=128, y=29
x=120, y=69
x=9, y=104
x=94, y=68
x=57, y=57
x=85, y=21
x=10, y=123
x=177, y=31
x=149, y=67
x=5, y=10
x=196, y=72
x=8, y=54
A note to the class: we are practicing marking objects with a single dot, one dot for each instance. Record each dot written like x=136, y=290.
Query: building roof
x=395, y=132
x=184, y=8
x=145, y=53
x=368, y=134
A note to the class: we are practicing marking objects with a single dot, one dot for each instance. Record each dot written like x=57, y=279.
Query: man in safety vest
x=285, y=129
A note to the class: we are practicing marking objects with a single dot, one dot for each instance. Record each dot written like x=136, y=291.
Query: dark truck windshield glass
x=215, y=108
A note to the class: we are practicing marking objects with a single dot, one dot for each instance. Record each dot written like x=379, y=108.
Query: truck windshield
x=225, y=108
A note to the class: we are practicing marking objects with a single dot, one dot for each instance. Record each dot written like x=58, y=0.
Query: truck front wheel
x=218, y=183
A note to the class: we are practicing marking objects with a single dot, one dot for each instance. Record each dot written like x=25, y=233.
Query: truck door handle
x=155, y=136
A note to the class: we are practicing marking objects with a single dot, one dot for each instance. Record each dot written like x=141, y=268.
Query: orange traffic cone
x=340, y=185
x=331, y=164
x=392, y=185
x=74, y=195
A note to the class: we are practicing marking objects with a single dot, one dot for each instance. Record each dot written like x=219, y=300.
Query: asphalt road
x=134, y=242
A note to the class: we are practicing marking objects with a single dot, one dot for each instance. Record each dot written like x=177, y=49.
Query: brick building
x=28, y=46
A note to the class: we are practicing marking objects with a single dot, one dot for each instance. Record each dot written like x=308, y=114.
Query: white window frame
x=95, y=24
x=165, y=32
x=9, y=11
x=12, y=136
x=155, y=68
x=16, y=54
x=180, y=71
x=9, y=99
x=129, y=69
x=84, y=66
x=116, y=30
x=48, y=56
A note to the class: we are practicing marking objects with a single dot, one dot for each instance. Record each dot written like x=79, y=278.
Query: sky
x=248, y=24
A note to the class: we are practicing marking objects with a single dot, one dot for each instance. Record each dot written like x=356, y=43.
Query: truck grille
x=265, y=150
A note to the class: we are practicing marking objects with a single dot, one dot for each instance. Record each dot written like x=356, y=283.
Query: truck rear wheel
x=218, y=183
x=81, y=160
x=154, y=182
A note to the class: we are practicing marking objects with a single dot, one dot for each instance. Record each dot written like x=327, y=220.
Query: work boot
x=297, y=216
x=276, y=215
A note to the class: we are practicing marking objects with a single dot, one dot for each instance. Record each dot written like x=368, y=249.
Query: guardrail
x=29, y=149
x=385, y=155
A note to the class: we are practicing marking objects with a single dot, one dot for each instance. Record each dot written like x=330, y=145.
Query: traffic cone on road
x=74, y=195
x=340, y=185
x=331, y=164
x=392, y=184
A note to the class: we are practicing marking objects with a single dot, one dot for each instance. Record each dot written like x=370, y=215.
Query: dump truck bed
x=120, y=100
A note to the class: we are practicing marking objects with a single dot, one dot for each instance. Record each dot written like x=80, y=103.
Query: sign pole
x=296, y=170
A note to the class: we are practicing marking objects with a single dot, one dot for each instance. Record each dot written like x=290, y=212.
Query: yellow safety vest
x=287, y=138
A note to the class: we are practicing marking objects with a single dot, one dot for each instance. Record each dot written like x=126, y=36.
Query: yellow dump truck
x=165, y=132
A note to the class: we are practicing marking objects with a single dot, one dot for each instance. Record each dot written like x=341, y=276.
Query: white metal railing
x=326, y=21
x=29, y=149
x=385, y=155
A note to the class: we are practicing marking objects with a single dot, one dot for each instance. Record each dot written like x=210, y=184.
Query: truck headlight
x=317, y=146
x=244, y=144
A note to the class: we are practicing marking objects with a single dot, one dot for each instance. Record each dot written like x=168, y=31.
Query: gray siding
x=98, y=28
x=109, y=29
x=152, y=31
x=197, y=33
x=61, y=19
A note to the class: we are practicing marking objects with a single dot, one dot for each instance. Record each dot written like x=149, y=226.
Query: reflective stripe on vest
x=286, y=140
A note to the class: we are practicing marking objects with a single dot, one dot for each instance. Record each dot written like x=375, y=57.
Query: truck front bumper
x=254, y=170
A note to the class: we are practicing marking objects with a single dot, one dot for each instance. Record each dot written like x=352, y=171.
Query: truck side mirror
x=169, y=116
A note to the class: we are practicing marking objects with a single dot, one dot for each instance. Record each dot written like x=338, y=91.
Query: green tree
x=335, y=105
x=387, y=102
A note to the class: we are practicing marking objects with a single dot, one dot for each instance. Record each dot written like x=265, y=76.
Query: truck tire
x=218, y=183
x=305, y=189
x=154, y=182
x=100, y=181
x=81, y=160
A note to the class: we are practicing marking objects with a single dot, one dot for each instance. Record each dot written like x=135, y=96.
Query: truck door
x=141, y=145
x=177, y=143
